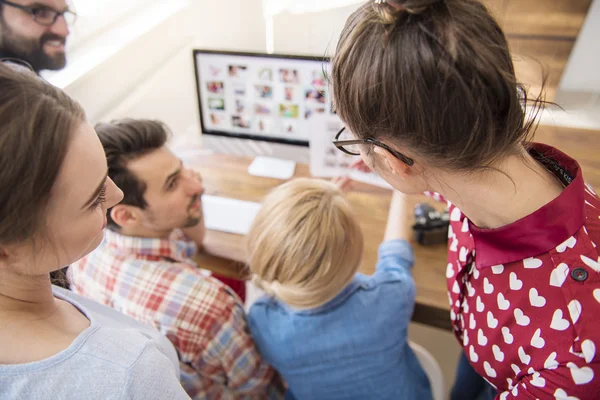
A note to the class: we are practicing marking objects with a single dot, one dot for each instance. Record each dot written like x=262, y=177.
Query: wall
x=581, y=74
x=152, y=77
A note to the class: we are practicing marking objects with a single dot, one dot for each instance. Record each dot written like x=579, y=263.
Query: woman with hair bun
x=430, y=101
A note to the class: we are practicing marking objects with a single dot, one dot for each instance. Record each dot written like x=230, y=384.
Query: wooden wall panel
x=558, y=18
x=541, y=35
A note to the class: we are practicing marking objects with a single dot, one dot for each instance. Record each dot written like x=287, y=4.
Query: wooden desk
x=227, y=176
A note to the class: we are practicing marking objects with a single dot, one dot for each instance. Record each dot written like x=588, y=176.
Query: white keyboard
x=229, y=215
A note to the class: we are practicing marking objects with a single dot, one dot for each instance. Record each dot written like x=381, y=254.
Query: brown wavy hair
x=435, y=76
x=37, y=123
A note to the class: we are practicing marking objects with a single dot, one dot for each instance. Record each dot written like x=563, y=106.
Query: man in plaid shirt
x=144, y=268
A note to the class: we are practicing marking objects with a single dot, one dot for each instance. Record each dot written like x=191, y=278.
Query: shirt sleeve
x=396, y=256
x=571, y=381
x=153, y=376
x=245, y=370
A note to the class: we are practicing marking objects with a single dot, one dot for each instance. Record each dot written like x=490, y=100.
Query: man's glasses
x=44, y=15
x=350, y=146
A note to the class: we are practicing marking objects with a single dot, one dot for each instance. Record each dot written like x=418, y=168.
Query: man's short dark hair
x=125, y=140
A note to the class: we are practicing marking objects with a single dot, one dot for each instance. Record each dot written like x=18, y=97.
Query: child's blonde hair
x=305, y=244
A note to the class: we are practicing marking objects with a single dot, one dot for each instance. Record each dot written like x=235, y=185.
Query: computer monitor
x=264, y=98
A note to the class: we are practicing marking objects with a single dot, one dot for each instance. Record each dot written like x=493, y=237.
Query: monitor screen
x=260, y=96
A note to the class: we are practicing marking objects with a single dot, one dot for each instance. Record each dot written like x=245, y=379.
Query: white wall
x=313, y=34
x=168, y=93
x=581, y=73
x=153, y=77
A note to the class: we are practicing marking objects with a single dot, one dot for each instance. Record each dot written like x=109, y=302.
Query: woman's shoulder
x=102, y=362
x=117, y=334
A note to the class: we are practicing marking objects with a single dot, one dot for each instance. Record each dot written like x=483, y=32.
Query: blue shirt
x=353, y=347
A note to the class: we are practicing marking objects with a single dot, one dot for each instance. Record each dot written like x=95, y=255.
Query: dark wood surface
x=227, y=176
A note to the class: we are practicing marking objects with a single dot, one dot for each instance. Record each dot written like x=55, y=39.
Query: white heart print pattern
x=498, y=269
x=491, y=321
x=532, y=263
x=465, y=306
x=538, y=381
x=560, y=394
x=482, y=340
x=503, y=304
x=473, y=355
x=558, y=322
x=472, y=323
x=514, y=282
x=551, y=362
x=570, y=243
x=454, y=244
x=588, y=348
x=508, y=337
x=559, y=275
x=491, y=372
x=498, y=354
x=449, y=271
x=480, y=306
x=515, y=369
x=470, y=289
x=465, y=226
x=524, y=357
x=595, y=265
x=537, y=341
x=535, y=299
x=597, y=295
x=488, y=288
x=455, y=288
x=521, y=318
x=575, y=310
x=463, y=254
x=581, y=376
x=455, y=215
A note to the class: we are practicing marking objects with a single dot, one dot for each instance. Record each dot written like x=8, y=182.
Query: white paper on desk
x=326, y=161
x=228, y=215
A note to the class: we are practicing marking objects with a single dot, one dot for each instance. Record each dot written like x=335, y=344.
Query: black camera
x=431, y=226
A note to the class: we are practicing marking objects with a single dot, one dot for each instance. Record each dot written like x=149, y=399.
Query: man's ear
x=395, y=166
x=125, y=216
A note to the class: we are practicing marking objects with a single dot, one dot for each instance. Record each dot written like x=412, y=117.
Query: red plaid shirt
x=525, y=297
x=156, y=282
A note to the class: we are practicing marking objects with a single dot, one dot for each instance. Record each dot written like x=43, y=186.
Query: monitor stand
x=270, y=167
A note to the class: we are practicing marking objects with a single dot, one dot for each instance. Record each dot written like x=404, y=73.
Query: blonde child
x=331, y=332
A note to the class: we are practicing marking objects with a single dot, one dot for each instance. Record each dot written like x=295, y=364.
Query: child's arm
x=396, y=253
x=397, y=223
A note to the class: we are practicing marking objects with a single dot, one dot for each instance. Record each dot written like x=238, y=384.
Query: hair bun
x=389, y=10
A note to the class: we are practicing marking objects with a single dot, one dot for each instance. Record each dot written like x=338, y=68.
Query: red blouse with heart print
x=525, y=298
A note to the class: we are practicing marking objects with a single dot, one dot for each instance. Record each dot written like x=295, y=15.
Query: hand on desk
x=343, y=183
x=360, y=166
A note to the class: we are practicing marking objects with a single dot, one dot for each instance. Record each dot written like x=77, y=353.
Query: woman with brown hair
x=55, y=192
x=428, y=93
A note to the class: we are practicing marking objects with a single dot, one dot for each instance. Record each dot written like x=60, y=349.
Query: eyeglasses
x=44, y=15
x=352, y=147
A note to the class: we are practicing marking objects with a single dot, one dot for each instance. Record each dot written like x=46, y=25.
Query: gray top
x=115, y=358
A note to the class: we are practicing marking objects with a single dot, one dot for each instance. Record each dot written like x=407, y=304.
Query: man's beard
x=31, y=50
x=192, y=220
